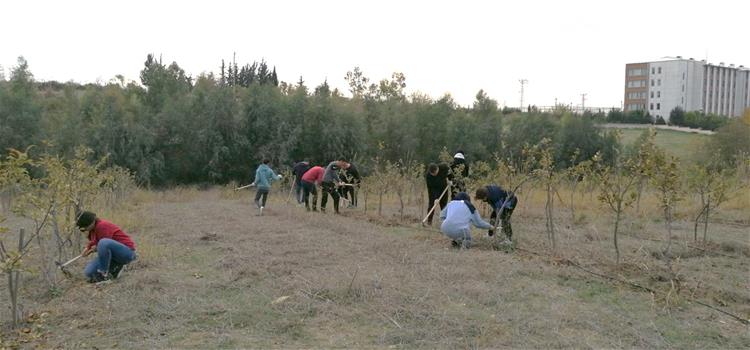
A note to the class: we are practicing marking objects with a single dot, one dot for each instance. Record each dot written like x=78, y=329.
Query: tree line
x=172, y=128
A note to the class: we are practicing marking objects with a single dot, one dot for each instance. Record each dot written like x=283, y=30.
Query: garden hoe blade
x=63, y=265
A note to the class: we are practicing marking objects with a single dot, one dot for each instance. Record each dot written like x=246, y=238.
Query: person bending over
x=312, y=177
x=114, y=248
x=502, y=203
x=330, y=181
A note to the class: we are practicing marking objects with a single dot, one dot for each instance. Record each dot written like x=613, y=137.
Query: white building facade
x=659, y=87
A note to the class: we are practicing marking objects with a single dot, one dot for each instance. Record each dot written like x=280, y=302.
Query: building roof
x=680, y=58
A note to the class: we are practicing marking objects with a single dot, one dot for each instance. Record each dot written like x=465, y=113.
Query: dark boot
x=115, y=269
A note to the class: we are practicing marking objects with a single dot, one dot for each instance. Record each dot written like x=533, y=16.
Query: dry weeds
x=211, y=273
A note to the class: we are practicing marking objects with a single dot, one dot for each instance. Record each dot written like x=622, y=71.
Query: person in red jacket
x=310, y=179
x=113, y=246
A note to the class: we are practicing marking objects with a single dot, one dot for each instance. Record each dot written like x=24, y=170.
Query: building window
x=652, y=82
x=652, y=106
x=636, y=72
x=659, y=70
x=683, y=87
x=658, y=94
x=653, y=70
x=658, y=106
x=636, y=83
x=652, y=94
x=658, y=82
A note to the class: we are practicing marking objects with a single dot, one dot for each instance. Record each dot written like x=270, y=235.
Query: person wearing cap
x=502, y=203
x=113, y=247
x=299, y=169
x=460, y=170
x=264, y=176
x=330, y=181
x=458, y=216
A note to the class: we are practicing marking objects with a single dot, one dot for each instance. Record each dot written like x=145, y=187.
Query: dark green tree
x=20, y=109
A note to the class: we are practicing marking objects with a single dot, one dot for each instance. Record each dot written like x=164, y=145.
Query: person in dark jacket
x=351, y=176
x=437, y=178
x=460, y=170
x=330, y=181
x=502, y=203
x=299, y=170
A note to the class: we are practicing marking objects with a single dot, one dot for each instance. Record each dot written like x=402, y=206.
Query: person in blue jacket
x=502, y=203
x=264, y=176
x=458, y=216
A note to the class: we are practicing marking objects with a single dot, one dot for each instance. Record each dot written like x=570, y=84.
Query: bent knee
x=104, y=242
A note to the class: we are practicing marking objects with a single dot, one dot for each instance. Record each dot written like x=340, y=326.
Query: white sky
x=564, y=47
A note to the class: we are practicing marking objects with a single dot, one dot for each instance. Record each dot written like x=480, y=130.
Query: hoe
x=63, y=265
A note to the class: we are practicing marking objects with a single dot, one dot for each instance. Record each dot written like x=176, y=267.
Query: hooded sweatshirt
x=331, y=173
x=264, y=176
x=457, y=218
x=496, y=196
x=300, y=169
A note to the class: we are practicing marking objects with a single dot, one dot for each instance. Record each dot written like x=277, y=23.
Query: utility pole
x=523, y=82
x=583, y=102
x=234, y=83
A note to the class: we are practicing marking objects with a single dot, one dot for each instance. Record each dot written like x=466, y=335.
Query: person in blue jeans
x=299, y=170
x=113, y=246
x=458, y=216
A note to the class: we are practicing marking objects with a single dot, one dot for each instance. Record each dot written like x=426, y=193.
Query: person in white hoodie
x=458, y=216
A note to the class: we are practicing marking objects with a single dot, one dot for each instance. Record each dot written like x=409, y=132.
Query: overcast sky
x=563, y=48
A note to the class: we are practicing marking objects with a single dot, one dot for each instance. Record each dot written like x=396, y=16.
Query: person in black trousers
x=351, y=176
x=502, y=202
x=460, y=170
x=437, y=179
x=330, y=181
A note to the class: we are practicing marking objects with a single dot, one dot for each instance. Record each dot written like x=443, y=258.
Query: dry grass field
x=212, y=273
